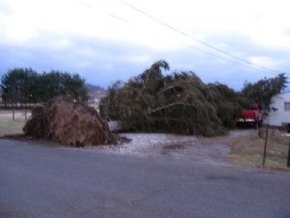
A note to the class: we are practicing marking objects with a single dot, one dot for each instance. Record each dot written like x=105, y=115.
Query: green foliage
x=227, y=103
x=56, y=83
x=176, y=103
x=181, y=102
x=263, y=90
x=18, y=85
x=27, y=86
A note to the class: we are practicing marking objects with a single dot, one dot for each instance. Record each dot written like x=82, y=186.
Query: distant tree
x=75, y=86
x=263, y=90
x=27, y=86
x=56, y=83
x=49, y=86
x=18, y=85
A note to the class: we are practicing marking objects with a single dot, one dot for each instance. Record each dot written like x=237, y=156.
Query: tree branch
x=144, y=86
x=170, y=105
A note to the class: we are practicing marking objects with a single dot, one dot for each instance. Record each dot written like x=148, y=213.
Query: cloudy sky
x=229, y=41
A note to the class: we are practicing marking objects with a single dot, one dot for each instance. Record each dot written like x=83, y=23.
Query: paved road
x=42, y=181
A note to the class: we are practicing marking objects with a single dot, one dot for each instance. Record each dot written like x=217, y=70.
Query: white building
x=280, y=110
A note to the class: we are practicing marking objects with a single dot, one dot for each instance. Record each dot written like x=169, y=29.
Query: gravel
x=170, y=146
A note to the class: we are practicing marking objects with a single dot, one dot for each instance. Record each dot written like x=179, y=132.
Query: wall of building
x=280, y=110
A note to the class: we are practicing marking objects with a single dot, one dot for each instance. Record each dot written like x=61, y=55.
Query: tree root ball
x=70, y=123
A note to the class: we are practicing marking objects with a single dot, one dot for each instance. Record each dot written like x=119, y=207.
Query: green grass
x=249, y=151
x=9, y=126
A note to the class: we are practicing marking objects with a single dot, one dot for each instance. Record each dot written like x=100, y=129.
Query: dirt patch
x=174, y=146
x=229, y=138
x=171, y=148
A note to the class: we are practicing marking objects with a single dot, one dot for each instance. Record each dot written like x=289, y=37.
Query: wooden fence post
x=265, y=145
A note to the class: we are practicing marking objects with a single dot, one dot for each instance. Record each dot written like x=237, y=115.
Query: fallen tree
x=181, y=102
x=152, y=102
x=70, y=123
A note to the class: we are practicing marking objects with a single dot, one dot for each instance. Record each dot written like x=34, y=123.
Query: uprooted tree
x=176, y=103
x=181, y=102
x=70, y=123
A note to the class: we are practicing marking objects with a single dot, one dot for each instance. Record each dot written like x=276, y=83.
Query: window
x=286, y=106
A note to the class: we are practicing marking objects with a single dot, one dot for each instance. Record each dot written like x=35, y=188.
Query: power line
x=237, y=58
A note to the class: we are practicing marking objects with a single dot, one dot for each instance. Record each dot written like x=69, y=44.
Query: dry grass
x=8, y=125
x=248, y=150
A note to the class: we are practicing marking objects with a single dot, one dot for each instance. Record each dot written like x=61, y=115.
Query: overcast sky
x=109, y=40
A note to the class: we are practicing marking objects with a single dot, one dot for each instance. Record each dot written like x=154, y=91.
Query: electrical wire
x=184, y=34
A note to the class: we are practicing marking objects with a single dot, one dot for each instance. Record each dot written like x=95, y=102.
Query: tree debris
x=70, y=123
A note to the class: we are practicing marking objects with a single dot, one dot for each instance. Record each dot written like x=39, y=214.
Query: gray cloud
x=233, y=73
x=102, y=62
x=98, y=61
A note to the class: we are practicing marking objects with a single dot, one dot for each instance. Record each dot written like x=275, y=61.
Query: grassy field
x=248, y=150
x=10, y=126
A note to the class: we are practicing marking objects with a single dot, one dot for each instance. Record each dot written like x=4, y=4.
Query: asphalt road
x=43, y=181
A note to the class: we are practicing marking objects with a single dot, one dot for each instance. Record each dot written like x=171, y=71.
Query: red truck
x=251, y=117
